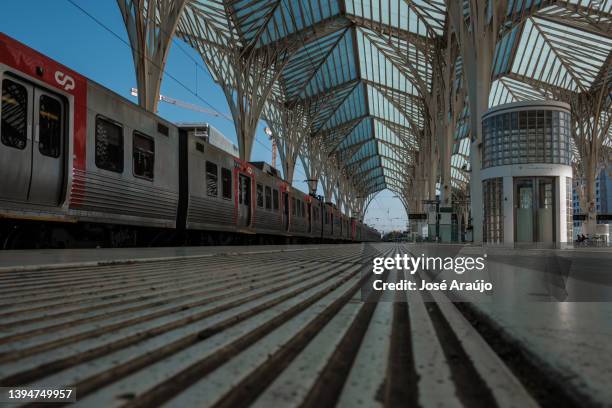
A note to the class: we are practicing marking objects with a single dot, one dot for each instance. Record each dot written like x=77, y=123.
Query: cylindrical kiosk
x=527, y=174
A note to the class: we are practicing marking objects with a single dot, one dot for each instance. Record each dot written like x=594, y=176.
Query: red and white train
x=81, y=165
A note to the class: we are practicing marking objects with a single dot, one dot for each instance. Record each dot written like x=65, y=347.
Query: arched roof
x=364, y=67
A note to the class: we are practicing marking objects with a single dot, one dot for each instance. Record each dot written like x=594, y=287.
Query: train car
x=346, y=229
x=298, y=225
x=212, y=188
x=71, y=150
x=336, y=223
x=317, y=212
x=327, y=221
x=268, y=207
x=81, y=164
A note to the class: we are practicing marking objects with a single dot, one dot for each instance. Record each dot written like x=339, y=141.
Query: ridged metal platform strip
x=268, y=329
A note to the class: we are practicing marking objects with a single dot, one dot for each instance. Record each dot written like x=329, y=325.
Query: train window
x=50, y=126
x=14, y=114
x=244, y=190
x=109, y=145
x=211, y=179
x=163, y=129
x=226, y=183
x=275, y=201
x=268, y=198
x=143, y=151
x=260, y=196
x=293, y=206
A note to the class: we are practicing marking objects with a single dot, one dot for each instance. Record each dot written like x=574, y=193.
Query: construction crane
x=186, y=105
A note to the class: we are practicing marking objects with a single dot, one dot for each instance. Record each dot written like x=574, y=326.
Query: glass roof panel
x=359, y=134
x=382, y=132
x=375, y=67
x=354, y=106
x=366, y=150
x=395, y=13
x=338, y=67
x=304, y=64
x=272, y=20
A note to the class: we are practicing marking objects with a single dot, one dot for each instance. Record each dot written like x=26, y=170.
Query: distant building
x=211, y=135
x=603, y=196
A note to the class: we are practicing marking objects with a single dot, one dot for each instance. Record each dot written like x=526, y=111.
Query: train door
x=47, y=150
x=286, y=209
x=244, y=200
x=309, y=217
x=32, y=143
x=16, y=139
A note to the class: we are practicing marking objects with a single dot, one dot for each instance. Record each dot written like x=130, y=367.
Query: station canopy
x=364, y=65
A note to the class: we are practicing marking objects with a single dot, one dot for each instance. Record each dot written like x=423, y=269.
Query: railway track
x=263, y=328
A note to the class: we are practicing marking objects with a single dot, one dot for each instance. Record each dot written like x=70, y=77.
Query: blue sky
x=63, y=32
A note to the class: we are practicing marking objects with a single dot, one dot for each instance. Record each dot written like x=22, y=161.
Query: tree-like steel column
x=590, y=129
x=313, y=155
x=329, y=177
x=451, y=103
x=247, y=72
x=477, y=34
x=150, y=26
x=289, y=128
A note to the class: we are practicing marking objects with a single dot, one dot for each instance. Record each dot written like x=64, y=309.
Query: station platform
x=289, y=326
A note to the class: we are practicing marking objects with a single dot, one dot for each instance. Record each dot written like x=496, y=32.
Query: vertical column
x=477, y=36
x=289, y=129
x=150, y=26
x=247, y=72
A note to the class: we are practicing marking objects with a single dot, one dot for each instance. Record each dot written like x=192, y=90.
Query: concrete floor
x=127, y=324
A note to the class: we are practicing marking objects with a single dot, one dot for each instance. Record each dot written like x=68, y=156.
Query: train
x=81, y=166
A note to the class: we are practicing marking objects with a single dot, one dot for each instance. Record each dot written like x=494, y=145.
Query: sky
x=100, y=51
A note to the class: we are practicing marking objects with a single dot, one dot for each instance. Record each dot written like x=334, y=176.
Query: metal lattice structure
x=388, y=94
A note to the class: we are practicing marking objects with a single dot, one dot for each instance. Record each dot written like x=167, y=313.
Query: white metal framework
x=390, y=93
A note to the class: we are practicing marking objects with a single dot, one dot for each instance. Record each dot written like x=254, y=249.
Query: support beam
x=289, y=128
x=150, y=27
x=313, y=155
x=477, y=36
x=591, y=130
x=246, y=74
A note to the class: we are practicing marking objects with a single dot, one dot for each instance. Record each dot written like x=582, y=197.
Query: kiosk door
x=534, y=207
